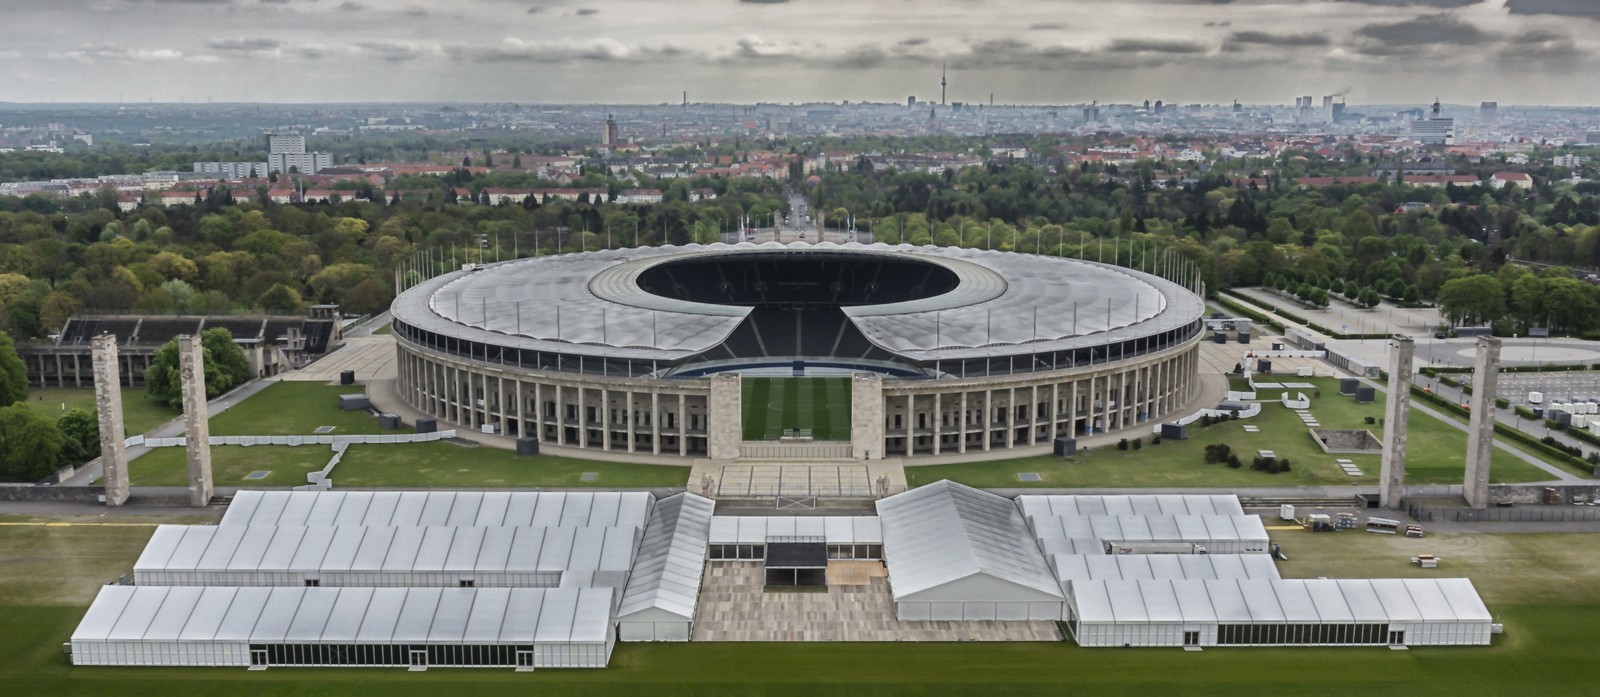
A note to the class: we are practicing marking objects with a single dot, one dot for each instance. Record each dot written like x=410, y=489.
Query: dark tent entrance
x=797, y=562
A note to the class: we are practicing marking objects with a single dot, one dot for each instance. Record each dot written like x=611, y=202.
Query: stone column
x=1392, y=473
x=866, y=416
x=196, y=422
x=108, y=405
x=724, y=413
x=1480, y=432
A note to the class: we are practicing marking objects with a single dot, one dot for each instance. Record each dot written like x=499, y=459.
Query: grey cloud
x=565, y=51
x=1587, y=9
x=914, y=41
x=587, y=12
x=350, y=6
x=1047, y=26
x=1154, y=46
x=1408, y=36
x=1442, y=4
x=1240, y=40
x=391, y=52
x=415, y=11
x=763, y=2
x=244, y=45
x=1543, y=48
x=1224, y=23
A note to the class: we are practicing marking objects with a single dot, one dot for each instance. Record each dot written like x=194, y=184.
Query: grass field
x=1435, y=454
x=774, y=404
x=138, y=413
x=446, y=464
x=51, y=573
x=293, y=409
x=399, y=465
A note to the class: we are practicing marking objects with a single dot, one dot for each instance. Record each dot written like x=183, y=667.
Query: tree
x=1473, y=299
x=13, y=374
x=225, y=368
x=30, y=444
x=281, y=299
x=80, y=436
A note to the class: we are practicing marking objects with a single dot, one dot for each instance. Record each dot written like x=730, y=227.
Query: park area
x=773, y=406
x=1536, y=584
x=1435, y=454
x=139, y=413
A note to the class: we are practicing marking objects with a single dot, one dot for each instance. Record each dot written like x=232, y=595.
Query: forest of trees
x=233, y=253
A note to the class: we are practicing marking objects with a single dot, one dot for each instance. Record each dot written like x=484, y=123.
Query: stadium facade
x=950, y=350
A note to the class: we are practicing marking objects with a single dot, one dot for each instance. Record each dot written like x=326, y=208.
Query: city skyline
x=650, y=51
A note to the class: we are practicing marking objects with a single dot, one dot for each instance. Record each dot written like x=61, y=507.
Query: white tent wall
x=662, y=593
x=957, y=553
x=214, y=626
x=1284, y=612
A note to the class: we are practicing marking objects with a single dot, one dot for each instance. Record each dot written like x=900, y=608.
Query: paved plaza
x=734, y=607
x=372, y=357
x=1337, y=316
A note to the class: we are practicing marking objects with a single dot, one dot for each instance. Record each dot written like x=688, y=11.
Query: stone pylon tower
x=108, y=406
x=1480, y=431
x=1392, y=473
x=197, y=425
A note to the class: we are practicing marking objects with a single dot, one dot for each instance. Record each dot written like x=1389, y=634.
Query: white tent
x=1278, y=612
x=659, y=602
x=267, y=555
x=418, y=627
x=957, y=553
x=439, y=508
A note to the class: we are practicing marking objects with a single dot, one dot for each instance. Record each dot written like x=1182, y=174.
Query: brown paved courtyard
x=733, y=607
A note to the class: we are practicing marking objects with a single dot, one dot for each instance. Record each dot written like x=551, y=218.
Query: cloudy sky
x=647, y=51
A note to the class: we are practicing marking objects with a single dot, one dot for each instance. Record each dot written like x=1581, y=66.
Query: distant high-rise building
x=286, y=144
x=1435, y=130
x=1489, y=112
x=1237, y=107
x=1091, y=113
x=286, y=152
x=1160, y=105
x=608, y=134
x=942, y=83
x=911, y=102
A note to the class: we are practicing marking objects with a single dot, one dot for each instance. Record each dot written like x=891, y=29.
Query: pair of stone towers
x=1480, y=427
x=197, y=428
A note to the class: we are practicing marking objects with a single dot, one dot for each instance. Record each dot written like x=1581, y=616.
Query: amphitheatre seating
x=160, y=330
x=240, y=327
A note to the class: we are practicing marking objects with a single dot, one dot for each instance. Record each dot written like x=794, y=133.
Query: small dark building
x=798, y=562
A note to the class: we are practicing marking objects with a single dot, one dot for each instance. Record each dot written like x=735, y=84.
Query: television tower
x=942, y=83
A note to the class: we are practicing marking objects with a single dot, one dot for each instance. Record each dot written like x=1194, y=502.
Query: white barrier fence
x=1253, y=409
x=334, y=440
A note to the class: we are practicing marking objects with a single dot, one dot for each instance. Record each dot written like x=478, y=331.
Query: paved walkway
x=733, y=607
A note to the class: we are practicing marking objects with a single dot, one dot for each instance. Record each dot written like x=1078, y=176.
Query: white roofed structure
x=1278, y=612
x=954, y=552
x=660, y=599
x=300, y=626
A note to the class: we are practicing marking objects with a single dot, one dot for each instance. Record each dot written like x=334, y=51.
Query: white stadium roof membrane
x=1006, y=304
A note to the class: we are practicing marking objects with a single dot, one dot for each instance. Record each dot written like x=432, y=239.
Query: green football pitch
x=772, y=405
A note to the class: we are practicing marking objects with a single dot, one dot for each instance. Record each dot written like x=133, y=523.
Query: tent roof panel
x=942, y=532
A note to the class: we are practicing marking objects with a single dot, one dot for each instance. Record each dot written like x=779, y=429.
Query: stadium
x=846, y=351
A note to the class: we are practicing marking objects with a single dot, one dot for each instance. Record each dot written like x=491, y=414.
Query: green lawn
x=138, y=413
x=446, y=464
x=385, y=329
x=294, y=409
x=230, y=464
x=52, y=573
x=772, y=405
x=1436, y=454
